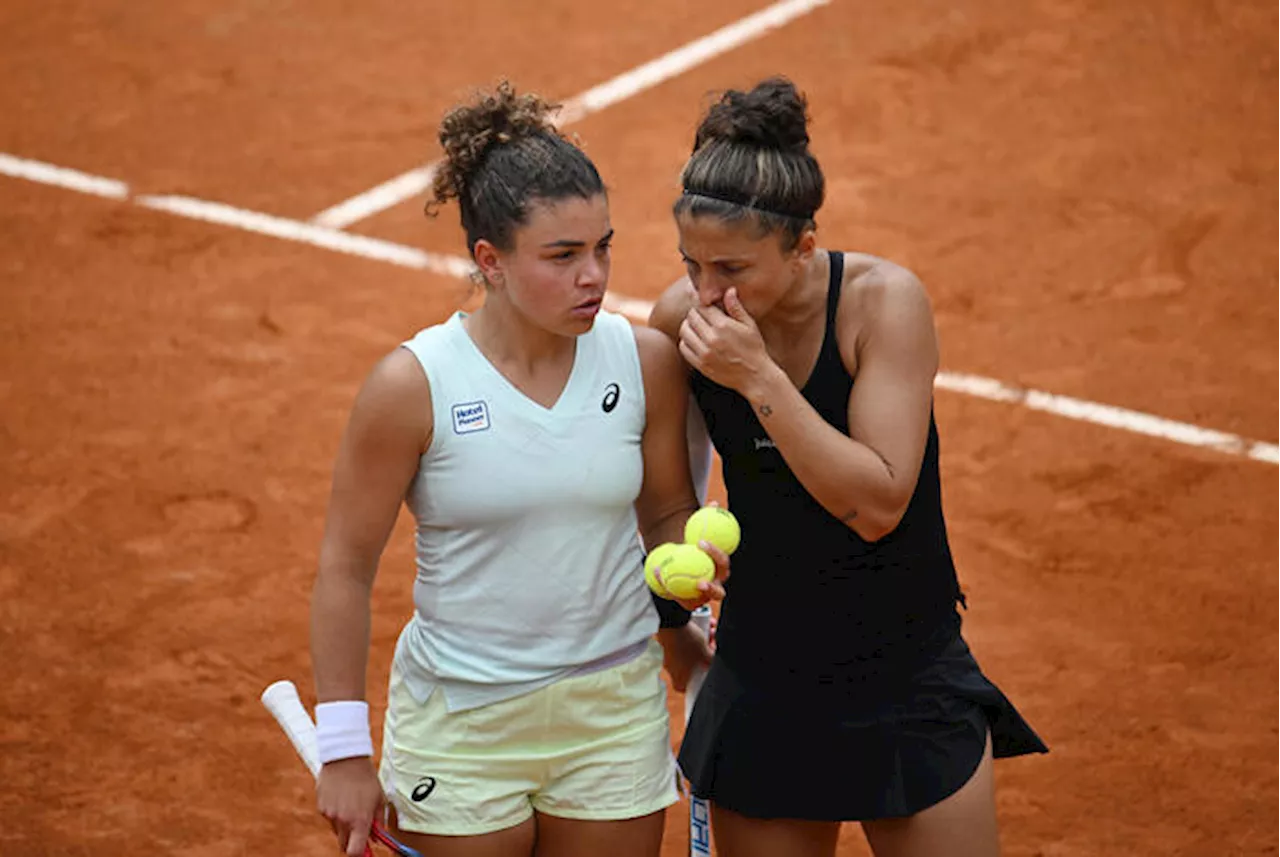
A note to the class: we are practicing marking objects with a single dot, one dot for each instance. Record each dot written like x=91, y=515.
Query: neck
x=796, y=308
x=506, y=336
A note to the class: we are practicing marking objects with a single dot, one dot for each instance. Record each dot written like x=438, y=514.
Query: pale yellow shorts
x=593, y=747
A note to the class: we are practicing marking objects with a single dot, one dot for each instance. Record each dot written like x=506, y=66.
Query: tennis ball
x=652, y=562
x=681, y=569
x=715, y=525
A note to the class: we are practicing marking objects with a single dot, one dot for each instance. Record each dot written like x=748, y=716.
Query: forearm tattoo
x=766, y=411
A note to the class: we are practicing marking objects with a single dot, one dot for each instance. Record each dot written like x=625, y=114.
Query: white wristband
x=342, y=730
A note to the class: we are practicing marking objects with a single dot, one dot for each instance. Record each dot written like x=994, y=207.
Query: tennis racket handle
x=701, y=619
x=281, y=699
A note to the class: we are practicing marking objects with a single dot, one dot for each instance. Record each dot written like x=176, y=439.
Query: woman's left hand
x=725, y=346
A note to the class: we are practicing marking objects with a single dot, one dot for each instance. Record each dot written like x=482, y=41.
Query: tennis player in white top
x=531, y=440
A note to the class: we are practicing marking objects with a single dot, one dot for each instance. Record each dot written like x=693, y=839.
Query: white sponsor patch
x=470, y=416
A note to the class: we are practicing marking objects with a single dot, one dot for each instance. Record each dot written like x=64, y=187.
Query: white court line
x=306, y=233
x=37, y=171
x=638, y=310
x=682, y=59
x=1108, y=415
x=386, y=195
x=416, y=181
x=250, y=221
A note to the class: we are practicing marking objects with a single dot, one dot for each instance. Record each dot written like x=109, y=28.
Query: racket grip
x=281, y=699
x=701, y=619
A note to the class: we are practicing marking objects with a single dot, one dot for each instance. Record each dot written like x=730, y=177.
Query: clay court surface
x=1087, y=189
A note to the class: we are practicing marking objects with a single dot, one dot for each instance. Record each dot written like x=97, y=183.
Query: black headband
x=747, y=202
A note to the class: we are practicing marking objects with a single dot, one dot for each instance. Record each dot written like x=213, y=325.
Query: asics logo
x=423, y=789
x=611, y=394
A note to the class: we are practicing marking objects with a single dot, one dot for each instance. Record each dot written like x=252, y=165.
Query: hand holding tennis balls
x=715, y=525
x=675, y=570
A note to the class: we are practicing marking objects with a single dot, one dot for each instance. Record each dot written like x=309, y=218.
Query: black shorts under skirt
x=873, y=753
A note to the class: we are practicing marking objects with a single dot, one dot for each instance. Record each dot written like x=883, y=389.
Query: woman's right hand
x=349, y=795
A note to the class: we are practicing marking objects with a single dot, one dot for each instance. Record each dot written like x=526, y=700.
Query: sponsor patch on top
x=469, y=417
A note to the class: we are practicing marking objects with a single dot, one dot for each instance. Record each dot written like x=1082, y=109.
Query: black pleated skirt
x=872, y=750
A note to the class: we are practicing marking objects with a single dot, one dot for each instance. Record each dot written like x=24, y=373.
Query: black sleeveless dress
x=842, y=689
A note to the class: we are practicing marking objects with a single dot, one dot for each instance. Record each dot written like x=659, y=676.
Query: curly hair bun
x=468, y=132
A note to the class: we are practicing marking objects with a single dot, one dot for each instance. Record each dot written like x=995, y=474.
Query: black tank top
x=808, y=599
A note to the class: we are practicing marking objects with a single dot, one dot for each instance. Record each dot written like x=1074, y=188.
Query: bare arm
x=865, y=478
x=667, y=497
x=389, y=427
x=666, y=316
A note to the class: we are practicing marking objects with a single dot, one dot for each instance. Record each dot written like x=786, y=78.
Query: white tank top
x=529, y=566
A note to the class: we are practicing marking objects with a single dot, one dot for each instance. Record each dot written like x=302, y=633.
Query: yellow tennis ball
x=681, y=569
x=651, y=563
x=715, y=525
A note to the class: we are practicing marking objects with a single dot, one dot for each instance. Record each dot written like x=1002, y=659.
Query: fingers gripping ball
x=652, y=562
x=680, y=570
x=715, y=525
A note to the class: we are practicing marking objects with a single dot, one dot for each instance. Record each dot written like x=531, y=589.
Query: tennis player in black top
x=841, y=687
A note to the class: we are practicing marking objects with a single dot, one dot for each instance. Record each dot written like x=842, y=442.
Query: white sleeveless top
x=529, y=566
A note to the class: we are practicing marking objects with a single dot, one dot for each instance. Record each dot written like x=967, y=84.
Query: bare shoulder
x=882, y=300
x=396, y=393
x=672, y=306
x=399, y=373
x=875, y=288
x=870, y=278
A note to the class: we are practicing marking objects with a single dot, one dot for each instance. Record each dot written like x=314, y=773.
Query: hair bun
x=493, y=118
x=772, y=115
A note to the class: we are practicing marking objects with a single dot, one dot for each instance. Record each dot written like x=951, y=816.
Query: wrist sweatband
x=670, y=614
x=342, y=730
